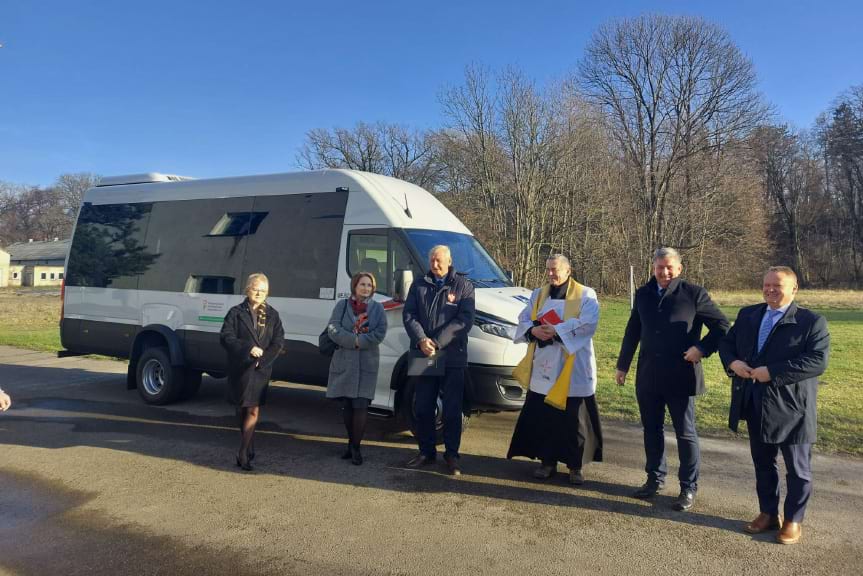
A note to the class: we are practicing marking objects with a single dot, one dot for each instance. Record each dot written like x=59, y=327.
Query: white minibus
x=157, y=260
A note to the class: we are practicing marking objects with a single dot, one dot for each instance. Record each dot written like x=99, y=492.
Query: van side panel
x=182, y=264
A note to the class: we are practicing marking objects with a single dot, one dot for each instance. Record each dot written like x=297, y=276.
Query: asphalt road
x=92, y=481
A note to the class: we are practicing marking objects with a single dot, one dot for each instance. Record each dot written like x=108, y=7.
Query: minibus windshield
x=468, y=256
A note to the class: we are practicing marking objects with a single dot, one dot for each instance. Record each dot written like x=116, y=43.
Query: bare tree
x=792, y=187
x=841, y=137
x=71, y=188
x=672, y=87
x=32, y=214
x=387, y=149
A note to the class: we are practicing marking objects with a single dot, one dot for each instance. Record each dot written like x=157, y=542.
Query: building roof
x=55, y=250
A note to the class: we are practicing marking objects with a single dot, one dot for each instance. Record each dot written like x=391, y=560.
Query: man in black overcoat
x=667, y=321
x=775, y=353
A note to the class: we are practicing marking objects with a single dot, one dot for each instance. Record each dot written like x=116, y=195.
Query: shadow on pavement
x=43, y=532
x=306, y=450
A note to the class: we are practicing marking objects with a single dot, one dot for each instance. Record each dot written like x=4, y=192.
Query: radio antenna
x=407, y=208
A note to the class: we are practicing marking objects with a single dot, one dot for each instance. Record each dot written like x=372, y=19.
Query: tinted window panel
x=108, y=249
x=297, y=244
x=180, y=235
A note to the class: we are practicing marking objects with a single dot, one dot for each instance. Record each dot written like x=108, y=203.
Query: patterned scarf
x=259, y=318
x=361, y=326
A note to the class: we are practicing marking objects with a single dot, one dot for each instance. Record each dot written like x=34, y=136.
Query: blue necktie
x=766, y=326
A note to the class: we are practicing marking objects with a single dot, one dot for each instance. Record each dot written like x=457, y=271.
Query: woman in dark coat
x=357, y=325
x=253, y=336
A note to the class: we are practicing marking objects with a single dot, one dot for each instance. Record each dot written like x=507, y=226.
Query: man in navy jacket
x=775, y=353
x=438, y=315
x=666, y=322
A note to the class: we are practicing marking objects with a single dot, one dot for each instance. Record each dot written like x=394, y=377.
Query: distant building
x=36, y=263
x=4, y=268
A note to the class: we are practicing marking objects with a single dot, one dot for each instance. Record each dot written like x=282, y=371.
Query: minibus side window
x=189, y=255
x=108, y=248
x=297, y=245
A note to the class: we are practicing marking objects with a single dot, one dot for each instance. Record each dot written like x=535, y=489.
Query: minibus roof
x=374, y=200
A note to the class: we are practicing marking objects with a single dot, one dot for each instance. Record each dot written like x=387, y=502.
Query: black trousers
x=798, y=466
x=682, y=410
x=451, y=389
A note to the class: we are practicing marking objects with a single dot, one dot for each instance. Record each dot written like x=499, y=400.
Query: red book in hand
x=550, y=317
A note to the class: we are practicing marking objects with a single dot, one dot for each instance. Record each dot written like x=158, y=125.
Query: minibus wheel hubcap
x=153, y=376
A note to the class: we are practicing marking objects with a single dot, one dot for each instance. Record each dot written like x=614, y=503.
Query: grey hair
x=560, y=257
x=440, y=248
x=255, y=278
x=666, y=252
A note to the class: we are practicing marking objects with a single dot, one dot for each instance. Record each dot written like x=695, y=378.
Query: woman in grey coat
x=357, y=326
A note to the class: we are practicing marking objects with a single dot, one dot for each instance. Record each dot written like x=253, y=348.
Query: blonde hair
x=256, y=277
x=786, y=270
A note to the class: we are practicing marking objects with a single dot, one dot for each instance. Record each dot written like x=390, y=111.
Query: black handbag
x=421, y=365
x=326, y=346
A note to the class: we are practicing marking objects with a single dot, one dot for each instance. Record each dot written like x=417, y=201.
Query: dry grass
x=29, y=317
x=816, y=299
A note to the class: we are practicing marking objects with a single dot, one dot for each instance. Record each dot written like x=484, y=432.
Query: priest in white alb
x=560, y=419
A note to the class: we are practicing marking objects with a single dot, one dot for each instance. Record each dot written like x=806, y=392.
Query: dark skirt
x=572, y=436
x=248, y=393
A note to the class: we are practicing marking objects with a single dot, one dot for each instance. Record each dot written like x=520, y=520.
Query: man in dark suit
x=667, y=321
x=774, y=354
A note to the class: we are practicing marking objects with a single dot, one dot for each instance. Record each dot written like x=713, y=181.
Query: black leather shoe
x=247, y=466
x=420, y=461
x=684, y=500
x=648, y=490
x=452, y=465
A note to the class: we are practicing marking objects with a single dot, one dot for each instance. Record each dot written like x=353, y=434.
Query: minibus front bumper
x=493, y=389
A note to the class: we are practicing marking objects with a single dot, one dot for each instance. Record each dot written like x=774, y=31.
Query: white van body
x=157, y=261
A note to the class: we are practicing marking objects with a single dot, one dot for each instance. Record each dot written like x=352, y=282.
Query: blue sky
x=221, y=88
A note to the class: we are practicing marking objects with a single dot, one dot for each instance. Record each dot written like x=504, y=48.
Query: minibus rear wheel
x=158, y=382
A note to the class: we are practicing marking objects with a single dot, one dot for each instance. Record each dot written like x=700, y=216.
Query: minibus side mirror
x=404, y=279
x=510, y=275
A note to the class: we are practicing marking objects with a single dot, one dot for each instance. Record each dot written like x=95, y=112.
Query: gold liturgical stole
x=556, y=397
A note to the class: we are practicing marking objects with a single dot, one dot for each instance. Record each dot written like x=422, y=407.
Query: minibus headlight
x=495, y=326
